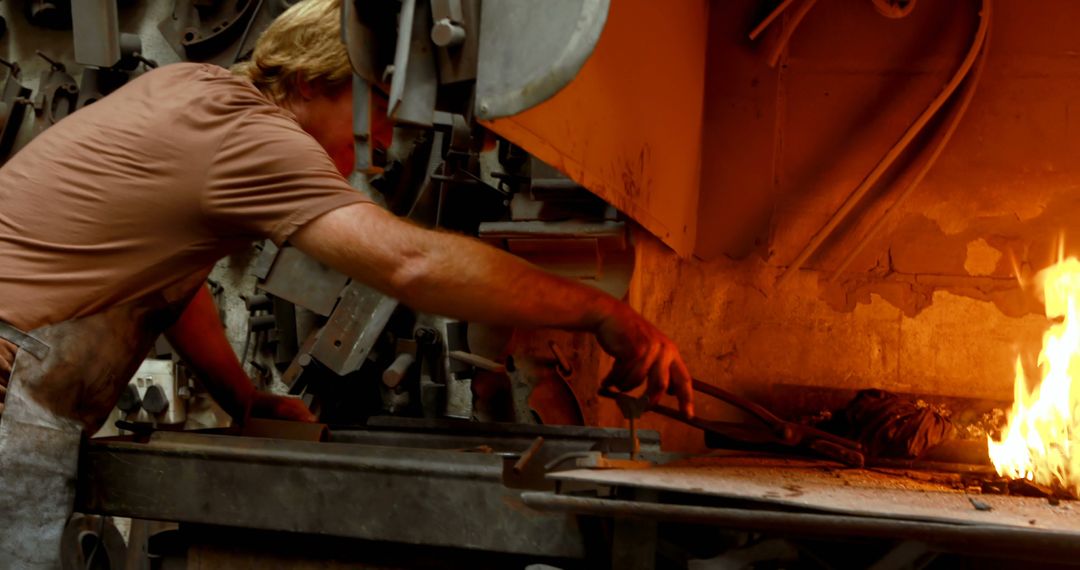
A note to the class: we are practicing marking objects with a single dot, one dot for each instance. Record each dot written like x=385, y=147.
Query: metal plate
x=300, y=279
x=796, y=483
x=530, y=50
x=346, y=340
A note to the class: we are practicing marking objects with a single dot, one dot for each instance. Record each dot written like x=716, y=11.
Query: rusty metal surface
x=628, y=127
x=434, y=497
x=810, y=485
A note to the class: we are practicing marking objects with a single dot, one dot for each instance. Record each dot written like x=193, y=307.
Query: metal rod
x=52, y=62
x=898, y=148
x=788, y=31
x=957, y=115
x=526, y=457
x=964, y=538
x=769, y=19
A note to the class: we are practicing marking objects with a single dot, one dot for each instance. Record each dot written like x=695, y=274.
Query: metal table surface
x=811, y=487
x=411, y=496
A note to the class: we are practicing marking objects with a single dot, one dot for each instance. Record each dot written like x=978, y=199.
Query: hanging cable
x=788, y=30
x=955, y=116
x=769, y=19
x=886, y=161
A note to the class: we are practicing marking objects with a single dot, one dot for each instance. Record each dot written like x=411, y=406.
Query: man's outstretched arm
x=461, y=277
x=199, y=339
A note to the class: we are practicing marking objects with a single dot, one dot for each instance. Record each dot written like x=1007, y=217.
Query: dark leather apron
x=66, y=379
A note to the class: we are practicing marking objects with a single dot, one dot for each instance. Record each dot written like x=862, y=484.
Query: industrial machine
x=445, y=443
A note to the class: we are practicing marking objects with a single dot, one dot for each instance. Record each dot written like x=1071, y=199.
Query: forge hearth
x=814, y=499
x=776, y=482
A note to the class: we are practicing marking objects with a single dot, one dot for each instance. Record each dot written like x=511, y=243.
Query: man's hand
x=462, y=278
x=642, y=352
x=274, y=407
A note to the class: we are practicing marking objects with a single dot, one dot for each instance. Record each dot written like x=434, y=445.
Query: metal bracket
x=58, y=94
x=348, y=337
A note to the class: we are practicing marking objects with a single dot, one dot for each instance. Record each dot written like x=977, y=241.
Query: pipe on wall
x=890, y=157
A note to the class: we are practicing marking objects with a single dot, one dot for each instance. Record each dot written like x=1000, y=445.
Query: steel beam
x=411, y=496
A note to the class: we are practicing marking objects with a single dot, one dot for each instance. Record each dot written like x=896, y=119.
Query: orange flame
x=1044, y=424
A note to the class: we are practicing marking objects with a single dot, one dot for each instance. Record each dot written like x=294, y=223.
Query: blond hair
x=303, y=43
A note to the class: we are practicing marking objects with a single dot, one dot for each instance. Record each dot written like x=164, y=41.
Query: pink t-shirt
x=152, y=184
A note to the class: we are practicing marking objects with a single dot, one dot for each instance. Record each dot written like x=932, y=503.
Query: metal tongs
x=768, y=430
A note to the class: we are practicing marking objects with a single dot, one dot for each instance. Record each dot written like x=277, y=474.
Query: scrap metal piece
x=58, y=94
x=530, y=50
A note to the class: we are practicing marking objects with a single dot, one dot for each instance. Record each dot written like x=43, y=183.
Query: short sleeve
x=268, y=178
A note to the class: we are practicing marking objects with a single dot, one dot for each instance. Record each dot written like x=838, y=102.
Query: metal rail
x=411, y=496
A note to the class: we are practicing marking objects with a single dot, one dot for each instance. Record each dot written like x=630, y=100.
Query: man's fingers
x=683, y=386
x=659, y=376
x=615, y=377
x=640, y=369
x=629, y=374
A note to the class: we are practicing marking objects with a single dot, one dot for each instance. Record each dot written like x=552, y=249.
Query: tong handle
x=723, y=395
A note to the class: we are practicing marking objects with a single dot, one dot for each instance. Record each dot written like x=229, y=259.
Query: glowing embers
x=1044, y=425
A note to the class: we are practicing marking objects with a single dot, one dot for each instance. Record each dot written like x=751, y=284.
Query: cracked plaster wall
x=934, y=304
